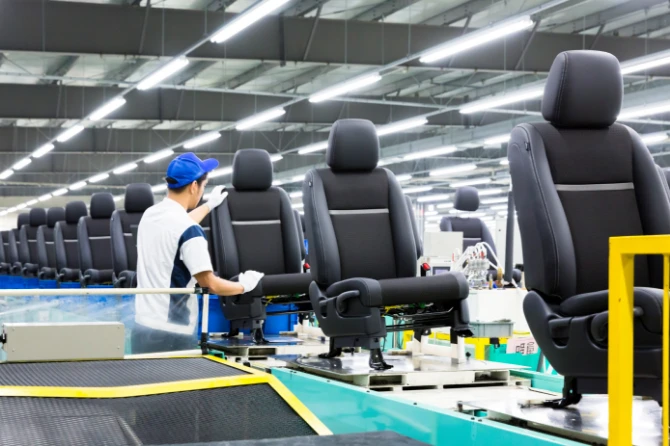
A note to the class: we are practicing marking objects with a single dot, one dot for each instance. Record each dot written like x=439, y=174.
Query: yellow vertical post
x=666, y=346
x=620, y=358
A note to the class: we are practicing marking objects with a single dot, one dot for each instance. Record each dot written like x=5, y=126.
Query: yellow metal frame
x=620, y=357
x=253, y=377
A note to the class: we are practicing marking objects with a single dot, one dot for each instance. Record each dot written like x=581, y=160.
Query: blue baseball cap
x=187, y=168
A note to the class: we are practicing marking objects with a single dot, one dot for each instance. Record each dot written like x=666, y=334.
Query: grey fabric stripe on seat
x=99, y=237
x=594, y=187
x=71, y=241
x=358, y=211
x=256, y=222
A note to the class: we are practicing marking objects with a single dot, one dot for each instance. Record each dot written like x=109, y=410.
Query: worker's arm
x=217, y=197
x=219, y=286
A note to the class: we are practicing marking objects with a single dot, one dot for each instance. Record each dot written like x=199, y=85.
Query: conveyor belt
x=113, y=373
x=384, y=438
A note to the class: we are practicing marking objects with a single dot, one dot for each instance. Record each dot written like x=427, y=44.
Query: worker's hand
x=249, y=279
x=217, y=197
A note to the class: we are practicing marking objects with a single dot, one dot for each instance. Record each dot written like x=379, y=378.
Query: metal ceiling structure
x=62, y=59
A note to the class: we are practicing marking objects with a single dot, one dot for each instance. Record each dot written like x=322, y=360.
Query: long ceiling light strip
x=401, y=126
x=246, y=19
x=430, y=153
x=163, y=73
x=505, y=99
x=106, y=109
x=344, y=88
x=202, y=139
x=260, y=118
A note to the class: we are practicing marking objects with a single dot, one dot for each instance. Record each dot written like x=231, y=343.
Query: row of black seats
x=69, y=245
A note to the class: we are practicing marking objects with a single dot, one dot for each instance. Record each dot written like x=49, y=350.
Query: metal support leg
x=377, y=360
x=571, y=395
x=204, y=335
x=457, y=348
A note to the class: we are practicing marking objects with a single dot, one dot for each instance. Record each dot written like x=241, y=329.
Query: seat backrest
x=139, y=197
x=13, y=239
x=95, y=247
x=206, y=225
x=474, y=230
x=28, y=236
x=581, y=178
x=66, y=240
x=301, y=233
x=415, y=227
x=4, y=246
x=255, y=227
x=46, y=248
x=356, y=215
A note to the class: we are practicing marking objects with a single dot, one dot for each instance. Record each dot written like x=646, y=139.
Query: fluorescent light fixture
x=220, y=172
x=387, y=161
x=504, y=162
x=296, y=194
x=477, y=38
x=159, y=156
x=472, y=182
x=21, y=206
x=159, y=188
x=416, y=190
x=498, y=207
x=200, y=140
x=275, y=158
x=502, y=213
x=494, y=200
x=467, y=214
x=429, y=153
x=485, y=192
x=654, y=138
x=44, y=197
x=445, y=205
x=431, y=207
x=316, y=147
x=78, y=185
x=21, y=164
x=69, y=133
x=277, y=182
x=297, y=178
x=118, y=198
x=297, y=205
x=125, y=168
x=345, y=87
x=99, y=177
x=6, y=174
x=162, y=73
x=59, y=192
x=402, y=178
x=453, y=169
x=3, y=213
x=645, y=64
x=31, y=202
x=246, y=19
x=12, y=209
x=434, y=217
x=107, y=109
x=644, y=110
x=497, y=140
x=43, y=150
x=429, y=213
x=436, y=197
x=506, y=99
x=487, y=218
x=259, y=118
x=401, y=126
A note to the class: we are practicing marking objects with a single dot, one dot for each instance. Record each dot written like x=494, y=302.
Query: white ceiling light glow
x=472, y=182
x=40, y=152
x=445, y=205
x=496, y=140
x=494, y=200
x=31, y=202
x=402, y=178
x=316, y=147
x=106, y=109
x=260, y=118
x=98, y=178
x=430, y=153
x=468, y=214
x=485, y=192
x=478, y=38
x=59, y=192
x=297, y=194
x=275, y=158
x=159, y=156
x=644, y=110
x=220, y=172
x=416, y=190
x=21, y=206
x=430, y=198
x=159, y=188
x=504, y=162
x=125, y=168
x=401, y=126
x=246, y=19
x=499, y=101
x=202, y=139
x=162, y=73
x=645, y=63
x=44, y=197
x=21, y=164
x=70, y=133
x=77, y=186
x=654, y=138
x=6, y=174
x=453, y=169
x=344, y=88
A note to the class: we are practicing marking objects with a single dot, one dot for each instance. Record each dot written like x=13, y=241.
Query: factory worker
x=172, y=253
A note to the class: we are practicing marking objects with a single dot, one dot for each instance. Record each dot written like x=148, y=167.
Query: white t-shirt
x=171, y=249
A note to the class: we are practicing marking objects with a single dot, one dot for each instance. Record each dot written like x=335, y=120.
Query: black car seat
x=46, y=247
x=28, y=236
x=95, y=247
x=66, y=242
x=14, y=242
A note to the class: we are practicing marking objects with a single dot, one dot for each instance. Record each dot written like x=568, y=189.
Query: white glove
x=249, y=279
x=217, y=197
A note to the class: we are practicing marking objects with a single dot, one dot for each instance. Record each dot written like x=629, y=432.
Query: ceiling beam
x=247, y=76
x=25, y=25
x=468, y=9
x=60, y=67
x=301, y=79
x=381, y=10
x=602, y=17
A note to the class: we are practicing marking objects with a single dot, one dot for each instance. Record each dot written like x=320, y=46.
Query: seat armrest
x=30, y=270
x=126, y=279
x=47, y=273
x=69, y=275
x=369, y=291
x=16, y=269
x=97, y=277
x=5, y=268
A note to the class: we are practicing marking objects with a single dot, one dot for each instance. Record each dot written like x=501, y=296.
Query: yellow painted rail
x=620, y=354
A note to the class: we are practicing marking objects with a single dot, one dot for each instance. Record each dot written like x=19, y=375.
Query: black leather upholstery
x=353, y=146
x=15, y=244
x=138, y=198
x=46, y=248
x=466, y=199
x=584, y=90
x=5, y=266
x=415, y=228
x=95, y=247
x=252, y=170
x=67, y=243
x=579, y=180
x=28, y=254
x=301, y=233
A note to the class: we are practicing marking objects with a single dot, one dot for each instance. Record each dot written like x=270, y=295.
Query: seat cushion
x=447, y=287
x=286, y=284
x=649, y=300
